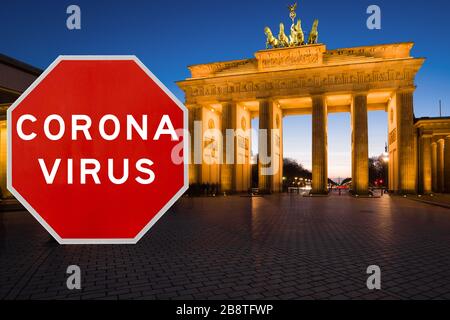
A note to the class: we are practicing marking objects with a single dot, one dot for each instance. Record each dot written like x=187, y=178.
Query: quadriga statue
x=314, y=34
x=297, y=37
x=271, y=40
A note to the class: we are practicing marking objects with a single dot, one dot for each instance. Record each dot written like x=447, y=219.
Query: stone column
x=195, y=148
x=265, y=145
x=447, y=164
x=227, y=181
x=277, y=148
x=360, y=144
x=434, y=178
x=440, y=165
x=425, y=164
x=319, y=145
x=407, y=164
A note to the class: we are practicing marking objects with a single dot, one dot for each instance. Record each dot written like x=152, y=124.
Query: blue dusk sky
x=170, y=35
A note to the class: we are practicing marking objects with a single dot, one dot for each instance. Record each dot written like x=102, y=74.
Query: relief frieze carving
x=290, y=58
x=302, y=82
x=392, y=136
x=399, y=50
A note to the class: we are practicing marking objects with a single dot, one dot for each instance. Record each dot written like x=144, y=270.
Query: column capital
x=408, y=89
x=316, y=94
x=225, y=102
x=263, y=98
x=268, y=99
x=361, y=92
x=437, y=138
x=426, y=133
x=316, y=98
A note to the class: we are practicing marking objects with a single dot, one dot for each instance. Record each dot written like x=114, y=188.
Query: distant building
x=434, y=154
x=15, y=78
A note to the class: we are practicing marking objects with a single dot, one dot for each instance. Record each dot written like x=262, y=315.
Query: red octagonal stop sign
x=96, y=150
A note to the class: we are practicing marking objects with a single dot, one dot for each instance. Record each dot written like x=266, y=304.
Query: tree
x=294, y=174
x=291, y=169
x=346, y=181
x=378, y=171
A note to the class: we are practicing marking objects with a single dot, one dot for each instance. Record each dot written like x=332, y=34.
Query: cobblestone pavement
x=441, y=199
x=274, y=247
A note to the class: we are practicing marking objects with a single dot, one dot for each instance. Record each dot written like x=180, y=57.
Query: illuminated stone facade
x=310, y=80
x=15, y=77
x=434, y=154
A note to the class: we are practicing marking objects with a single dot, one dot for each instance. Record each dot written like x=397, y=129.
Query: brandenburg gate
x=309, y=79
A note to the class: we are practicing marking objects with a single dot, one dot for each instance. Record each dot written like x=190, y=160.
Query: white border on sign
x=34, y=212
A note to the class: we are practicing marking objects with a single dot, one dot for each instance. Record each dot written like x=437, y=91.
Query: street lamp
x=385, y=155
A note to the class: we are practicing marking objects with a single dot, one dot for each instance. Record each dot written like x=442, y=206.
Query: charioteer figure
x=297, y=36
